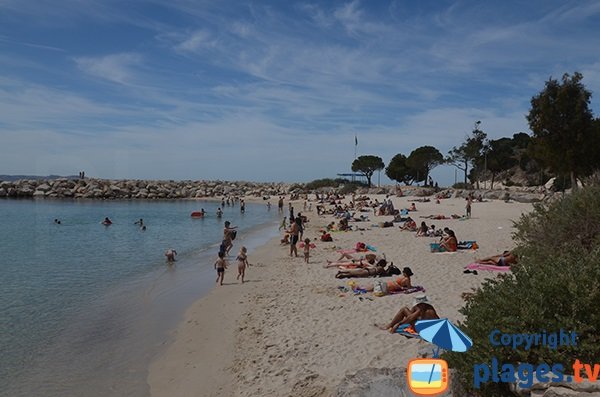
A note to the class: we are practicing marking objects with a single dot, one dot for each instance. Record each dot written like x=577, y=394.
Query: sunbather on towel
x=367, y=271
x=395, y=284
x=507, y=258
x=421, y=310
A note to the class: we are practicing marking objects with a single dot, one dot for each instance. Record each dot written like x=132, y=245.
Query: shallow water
x=84, y=307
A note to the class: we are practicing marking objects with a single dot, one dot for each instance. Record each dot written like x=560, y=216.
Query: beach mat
x=491, y=268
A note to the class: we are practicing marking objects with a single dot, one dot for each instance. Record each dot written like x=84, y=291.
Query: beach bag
x=361, y=247
x=379, y=288
x=393, y=270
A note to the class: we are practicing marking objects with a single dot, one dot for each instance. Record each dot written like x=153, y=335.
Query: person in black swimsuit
x=421, y=310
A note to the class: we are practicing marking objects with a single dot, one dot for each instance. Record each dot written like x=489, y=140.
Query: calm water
x=84, y=307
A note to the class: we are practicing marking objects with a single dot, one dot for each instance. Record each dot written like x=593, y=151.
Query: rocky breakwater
x=105, y=189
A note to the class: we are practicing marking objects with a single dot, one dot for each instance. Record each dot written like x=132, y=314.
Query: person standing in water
x=170, y=254
x=229, y=234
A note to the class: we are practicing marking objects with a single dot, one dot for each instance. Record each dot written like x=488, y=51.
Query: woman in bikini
x=449, y=243
x=242, y=259
x=367, y=271
x=507, y=258
x=395, y=284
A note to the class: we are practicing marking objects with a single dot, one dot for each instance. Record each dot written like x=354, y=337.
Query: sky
x=272, y=90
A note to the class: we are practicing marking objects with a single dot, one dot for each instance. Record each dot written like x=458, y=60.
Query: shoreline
x=205, y=336
x=290, y=330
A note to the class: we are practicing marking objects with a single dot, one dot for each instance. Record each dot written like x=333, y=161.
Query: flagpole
x=355, y=146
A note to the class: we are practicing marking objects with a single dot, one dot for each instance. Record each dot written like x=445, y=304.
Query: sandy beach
x=290, y=330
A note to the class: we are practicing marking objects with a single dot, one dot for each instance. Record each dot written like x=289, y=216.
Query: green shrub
x=555, y=285
x=351, y=187
x=325, y=182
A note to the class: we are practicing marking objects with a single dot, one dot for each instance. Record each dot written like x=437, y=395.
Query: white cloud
x=118, y=68
x=196, y=41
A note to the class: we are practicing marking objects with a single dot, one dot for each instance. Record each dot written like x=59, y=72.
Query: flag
x=355, y=140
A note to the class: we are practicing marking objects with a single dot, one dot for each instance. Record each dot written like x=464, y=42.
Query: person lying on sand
x=367, y=260
x=394, y=284
x=364, y=271
x=421, y=310
x=507, y=258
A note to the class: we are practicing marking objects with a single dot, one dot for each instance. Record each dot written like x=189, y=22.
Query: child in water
x=306, y=249
x=283, y=224
x=221, y=265
x=242, y=259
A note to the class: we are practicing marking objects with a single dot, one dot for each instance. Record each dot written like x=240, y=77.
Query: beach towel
x=366, y=248
x=467, y=245
x=411, y=290
x=408, y=331
x=491, y=268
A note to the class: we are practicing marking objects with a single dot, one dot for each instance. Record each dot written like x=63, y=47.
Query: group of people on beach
x=229, y=234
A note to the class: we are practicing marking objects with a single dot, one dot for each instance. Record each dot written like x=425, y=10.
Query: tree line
x=565, y=143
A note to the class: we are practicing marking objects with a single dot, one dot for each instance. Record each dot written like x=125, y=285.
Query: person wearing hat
x=421, y=310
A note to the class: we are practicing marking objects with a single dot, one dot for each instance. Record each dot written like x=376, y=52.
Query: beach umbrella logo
x=442, y=333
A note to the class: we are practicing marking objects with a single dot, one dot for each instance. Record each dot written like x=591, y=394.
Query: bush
x=351, y=187
x=326, y=182
x=462, y=185
x=554, y=286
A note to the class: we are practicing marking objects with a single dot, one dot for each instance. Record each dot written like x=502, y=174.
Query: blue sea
x=84, y=308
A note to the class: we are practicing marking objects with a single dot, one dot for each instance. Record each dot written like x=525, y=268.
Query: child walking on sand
x=221, y=265
x=306, y=249
x=242, y=259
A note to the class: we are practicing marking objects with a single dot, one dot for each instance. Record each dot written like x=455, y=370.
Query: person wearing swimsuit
x=421, y=310
x=220, y=266
x=242, y=259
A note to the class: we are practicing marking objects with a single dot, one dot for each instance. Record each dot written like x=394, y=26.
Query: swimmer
x=107, y=222
x=170, y=254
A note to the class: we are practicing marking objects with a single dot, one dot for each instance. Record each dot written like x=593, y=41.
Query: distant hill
x=35, y=177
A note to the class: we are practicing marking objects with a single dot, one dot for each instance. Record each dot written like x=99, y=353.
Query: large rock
x=43, y=187
x=3, y=192
x=39, y=193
